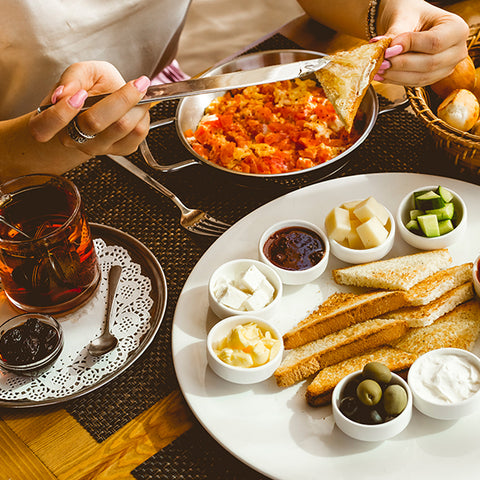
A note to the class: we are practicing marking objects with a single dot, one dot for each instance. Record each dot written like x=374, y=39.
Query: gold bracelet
x=372, y=19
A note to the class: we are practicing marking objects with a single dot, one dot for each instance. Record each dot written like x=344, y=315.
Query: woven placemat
x=398, y=142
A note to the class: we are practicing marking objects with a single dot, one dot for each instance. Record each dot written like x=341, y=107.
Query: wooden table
x=48, y=443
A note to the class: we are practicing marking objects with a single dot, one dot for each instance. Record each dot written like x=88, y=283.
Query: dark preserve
x=294, y=248
x=54, y=270
x=28, y=343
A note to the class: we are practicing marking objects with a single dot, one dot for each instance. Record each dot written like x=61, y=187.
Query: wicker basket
x=462, y=148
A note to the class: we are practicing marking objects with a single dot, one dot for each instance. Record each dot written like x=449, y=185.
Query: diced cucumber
x=429, y=225
x=429, y=201
x=445, y=194
x=415, y=213
x=445, y=226
x=413, y=226
x=444, y=213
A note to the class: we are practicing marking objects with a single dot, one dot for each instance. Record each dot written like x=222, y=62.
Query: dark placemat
x=398, y=142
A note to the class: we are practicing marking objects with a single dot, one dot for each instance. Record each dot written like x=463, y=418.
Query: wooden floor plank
x=17, y=461
x=137, y=441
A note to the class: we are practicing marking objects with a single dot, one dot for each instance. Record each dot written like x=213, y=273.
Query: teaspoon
x=106, y=341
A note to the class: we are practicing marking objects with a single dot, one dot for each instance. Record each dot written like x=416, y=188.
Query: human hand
x=118, y=123
x=427, y=42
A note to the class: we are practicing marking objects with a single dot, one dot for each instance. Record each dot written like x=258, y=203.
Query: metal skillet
x=191, y=109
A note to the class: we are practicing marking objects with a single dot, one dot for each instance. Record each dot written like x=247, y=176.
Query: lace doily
x=75, y=369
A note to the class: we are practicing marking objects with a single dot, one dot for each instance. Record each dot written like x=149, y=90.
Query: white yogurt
x=445, y=378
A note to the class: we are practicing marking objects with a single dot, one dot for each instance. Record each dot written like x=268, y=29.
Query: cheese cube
x=337, y=224
x=370, y=208
x=372, y=233
x=233, y=297
x=251, y=279
x=350, y=206
x=220, y=287
x=354, y=240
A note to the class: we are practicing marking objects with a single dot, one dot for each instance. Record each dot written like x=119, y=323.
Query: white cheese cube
x=220, y=287
x=372, y=233
x=256, y=301
x=370, y=208
x=351, y=206
x=337, y=224
x=354, y=240
x=233, y=297
x=251, y=279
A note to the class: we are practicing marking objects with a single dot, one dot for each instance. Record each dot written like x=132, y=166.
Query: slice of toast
x=457, y=329
x=439, y=283
x=398, y=273
x=346, y=78
x=341, y=311
x=424, y=315
x=308, y=359
x=319, y=392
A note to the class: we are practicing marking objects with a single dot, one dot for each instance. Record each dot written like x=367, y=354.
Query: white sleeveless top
x=39, y=39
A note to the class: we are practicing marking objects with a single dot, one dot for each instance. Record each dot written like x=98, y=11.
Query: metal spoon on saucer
x=106, y=341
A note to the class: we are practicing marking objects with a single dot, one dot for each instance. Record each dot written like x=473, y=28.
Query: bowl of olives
x=373, y=404
x=29, y=344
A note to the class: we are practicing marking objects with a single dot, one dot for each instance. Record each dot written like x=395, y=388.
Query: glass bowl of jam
x=297, y=250
x=29, y=344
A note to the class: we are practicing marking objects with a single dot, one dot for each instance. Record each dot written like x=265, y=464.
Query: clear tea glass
x=48, y=262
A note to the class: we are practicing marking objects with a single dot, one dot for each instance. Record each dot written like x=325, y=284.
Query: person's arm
x=39, y=142
x=427, y=41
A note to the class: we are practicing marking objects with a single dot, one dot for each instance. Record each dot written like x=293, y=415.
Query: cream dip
x=445, y=378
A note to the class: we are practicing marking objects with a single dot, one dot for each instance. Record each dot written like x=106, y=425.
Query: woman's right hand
x=118, y=123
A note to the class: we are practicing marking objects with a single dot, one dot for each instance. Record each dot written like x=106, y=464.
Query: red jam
x=294, y=248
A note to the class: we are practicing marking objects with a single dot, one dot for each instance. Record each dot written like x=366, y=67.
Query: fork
x=194, y=220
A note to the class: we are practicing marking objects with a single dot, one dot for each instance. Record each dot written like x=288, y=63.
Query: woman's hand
x=118, y=123
x=427, y=42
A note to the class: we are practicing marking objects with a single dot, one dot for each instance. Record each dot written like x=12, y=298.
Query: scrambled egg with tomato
x=273, y=128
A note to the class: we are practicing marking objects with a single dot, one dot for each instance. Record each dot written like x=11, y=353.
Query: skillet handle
x=150, y=159
x=397, y=105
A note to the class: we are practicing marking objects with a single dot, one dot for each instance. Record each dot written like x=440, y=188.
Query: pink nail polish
x=142, y=83
x=378, y=78
x=58, y=91
x=392, y=51
x=385, y=65
x=77, y=100
x=380, y=72
x=376, y=39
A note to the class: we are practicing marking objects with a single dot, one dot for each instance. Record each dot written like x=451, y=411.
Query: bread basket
x=462, y=148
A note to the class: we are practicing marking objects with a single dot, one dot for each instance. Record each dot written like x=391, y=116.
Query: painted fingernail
x=58, y=91
x=378, y=78
x=77, y=100
x=385, y=65
x=392, y=51
x=376, y=39
x=380, y=72
x=142, y=83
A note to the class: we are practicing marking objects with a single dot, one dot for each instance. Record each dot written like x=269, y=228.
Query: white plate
x=273, y=430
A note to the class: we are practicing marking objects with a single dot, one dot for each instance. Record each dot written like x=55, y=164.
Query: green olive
x=377, y=371
x=369, y=392
x=394, y=399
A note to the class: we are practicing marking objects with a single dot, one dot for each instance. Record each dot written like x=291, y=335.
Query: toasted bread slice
x=319, y=392
x=424, y=315
x=398, y=273
x=341, y=312
x=308, y=359
x=439, y=283
x=346, y=78
x=457, y=329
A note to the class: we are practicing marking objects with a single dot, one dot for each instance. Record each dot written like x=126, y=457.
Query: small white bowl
x=295, y=277
x=427, y=402
x=356, y=255
x=371, y=433
x=476, y=275
x=235, y=374
x=231, y=271
x=432, y=243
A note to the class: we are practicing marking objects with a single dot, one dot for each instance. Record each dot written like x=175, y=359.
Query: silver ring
x=76, y=134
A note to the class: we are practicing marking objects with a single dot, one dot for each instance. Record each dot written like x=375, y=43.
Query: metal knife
x=226, y=81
